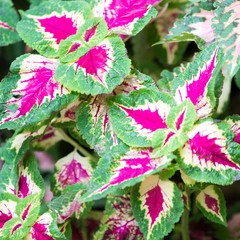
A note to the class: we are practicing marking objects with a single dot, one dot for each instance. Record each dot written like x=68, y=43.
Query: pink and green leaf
x=45, y=228
x=68, y=204
x=226, y=28
x=195, y=25
x=8, y=203
x=8, y=22
x=118, y=221
x=125, y=17
x=207, y=157
x=72, y=169
x=93, y=119
x=31, y=93
x=198, y=81
x=14, y=229
x=100, y=70
x=51, y=22
x=125, y=170
x=28, y=209
x=212, y=204
x=156, y=206
x=30, y=180
x=137, y=116
x=90, y=34
x=179, y=121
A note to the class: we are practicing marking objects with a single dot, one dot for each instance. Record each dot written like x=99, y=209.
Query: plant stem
x=66, y=138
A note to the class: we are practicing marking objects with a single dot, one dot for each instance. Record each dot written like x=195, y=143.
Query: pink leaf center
x=73, y=173
x=39, y=231
x=95, y=62
x=212, y=203
x=60, y=27
x=154, y=203
x=146, y=118
x=90, y=33
x=23, y=187
x=15, y=228
x=25, y=213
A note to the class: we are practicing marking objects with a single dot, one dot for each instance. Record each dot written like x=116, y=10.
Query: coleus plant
x=131, y=135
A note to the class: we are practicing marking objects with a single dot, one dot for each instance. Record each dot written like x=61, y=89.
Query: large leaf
x=212, y=204
x=44, y=26
x=71, y=169
x=156, y=206
x=93, y=119
x=137, y=116
x=8, y=22
x=207, y=157
x=31, y=93
x=118, y=221
x=100, y=70
x=125, y=17
x=197, y=82
x=125, y=170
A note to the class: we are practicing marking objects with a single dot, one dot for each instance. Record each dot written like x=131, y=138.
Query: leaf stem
x=66, y=138
x=185, y=219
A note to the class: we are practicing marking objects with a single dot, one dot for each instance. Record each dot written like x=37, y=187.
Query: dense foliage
x=138, y=121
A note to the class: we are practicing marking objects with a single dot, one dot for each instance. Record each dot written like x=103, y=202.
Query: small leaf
x=28, y=209
x=98, y=74
x=156, y=206
x=44, y=26
x=72, y=169
x=212, y=204
x=118, y=221
x=128, y=17
x=179, y=121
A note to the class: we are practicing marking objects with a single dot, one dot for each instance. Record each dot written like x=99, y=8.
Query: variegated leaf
x=28, y=209
x=68, y=204
x=125, y=170
x=100, y=70
x=31, y=93
x=195, y=25
x=8, y=22
x=50, y=137
x=30, y=180
x=14, y=229
x=197, y=82
x=92, y=117
x=157, y=206
x=206, y=157
x=234, y=121
x=8, y=179
x=88, y=35
x=45, y=228
x=212, y=204
x=179, y=121
x=118, y=221
x=51, y=22
x=137, y=116
x=125, y=17
x=226, y=28
x=71, y=169
x=191, y=183
x=8, y=203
